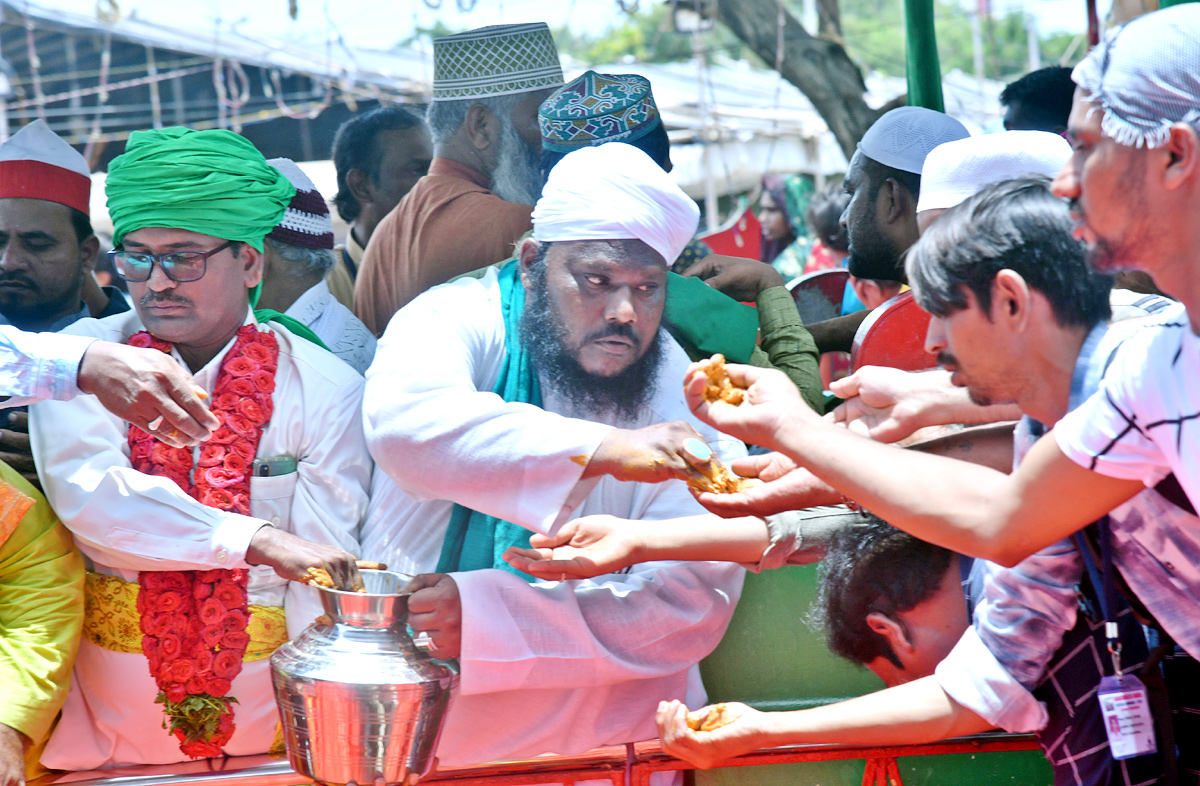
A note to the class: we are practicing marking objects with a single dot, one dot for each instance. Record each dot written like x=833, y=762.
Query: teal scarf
x=474, y=540
x=297, y=327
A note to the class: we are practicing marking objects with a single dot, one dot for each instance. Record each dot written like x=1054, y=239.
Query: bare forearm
x=705, y=537
x=964, y=507
x=909, y=714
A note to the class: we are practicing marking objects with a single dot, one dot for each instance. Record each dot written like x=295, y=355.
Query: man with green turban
x=190, y=550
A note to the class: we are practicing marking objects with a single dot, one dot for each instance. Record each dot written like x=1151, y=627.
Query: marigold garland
x=194, y=622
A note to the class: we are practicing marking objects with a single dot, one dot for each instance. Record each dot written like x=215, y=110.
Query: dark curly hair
x=874, y=567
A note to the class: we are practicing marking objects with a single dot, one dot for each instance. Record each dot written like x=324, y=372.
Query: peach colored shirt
x=449, y=224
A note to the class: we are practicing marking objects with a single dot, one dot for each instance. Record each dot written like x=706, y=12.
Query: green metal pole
x=924, y=70
x=1165, y=3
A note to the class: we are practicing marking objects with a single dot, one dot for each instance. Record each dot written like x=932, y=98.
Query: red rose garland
x=194, y=622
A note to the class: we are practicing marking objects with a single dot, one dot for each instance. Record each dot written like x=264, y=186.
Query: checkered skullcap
x=903, y=137
x=498, y=60
x=306, y=222
x=1146, y=76
x=595, y=108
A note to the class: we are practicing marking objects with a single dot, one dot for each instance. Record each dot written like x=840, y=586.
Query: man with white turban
x=531, y=395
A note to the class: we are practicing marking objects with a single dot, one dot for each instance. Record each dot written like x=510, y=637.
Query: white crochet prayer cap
x=35, y=163
x=615, y=192
x=1146, y=76
x=306, y=222
x=498, y=60
x=903, y=137
x=957, y=170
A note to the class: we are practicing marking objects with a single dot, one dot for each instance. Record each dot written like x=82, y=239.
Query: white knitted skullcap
x=959, y=169
x=903, y=137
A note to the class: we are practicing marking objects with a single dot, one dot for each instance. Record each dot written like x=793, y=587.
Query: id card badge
x=1127, y=719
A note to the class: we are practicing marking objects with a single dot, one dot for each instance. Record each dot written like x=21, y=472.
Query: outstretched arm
x=909, y=714
x=963, y=507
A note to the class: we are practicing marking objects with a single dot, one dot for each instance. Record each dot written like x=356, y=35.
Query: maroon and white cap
x=35, y=163
x=306, y=222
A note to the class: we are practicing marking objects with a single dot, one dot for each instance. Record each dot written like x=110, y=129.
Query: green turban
x=212, y=182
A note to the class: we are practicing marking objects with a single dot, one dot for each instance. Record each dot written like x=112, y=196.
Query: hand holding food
x=715, y=477
x=735, y=729
x=646, y=455
x=770, y=405
x=711, y=718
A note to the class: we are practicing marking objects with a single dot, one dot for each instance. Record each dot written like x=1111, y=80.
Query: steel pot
x=358, y=701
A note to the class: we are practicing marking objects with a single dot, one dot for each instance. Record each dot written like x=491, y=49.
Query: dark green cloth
x=474, y=540
x=705, y=321
x=787, y=345
x=212, y=182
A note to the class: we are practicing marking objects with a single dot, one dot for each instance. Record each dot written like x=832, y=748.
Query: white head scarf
x=1146, y=76
x=615, y=192
x=957, y=170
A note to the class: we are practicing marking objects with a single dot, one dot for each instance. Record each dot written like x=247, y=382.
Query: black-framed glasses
x=179, y=266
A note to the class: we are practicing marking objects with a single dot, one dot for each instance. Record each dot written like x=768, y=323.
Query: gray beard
x=518, y=175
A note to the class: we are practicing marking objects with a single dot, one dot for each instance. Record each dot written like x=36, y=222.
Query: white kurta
x=547, y=667
x=125, y=521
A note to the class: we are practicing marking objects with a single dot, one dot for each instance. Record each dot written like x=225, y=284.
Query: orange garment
x=449, y=224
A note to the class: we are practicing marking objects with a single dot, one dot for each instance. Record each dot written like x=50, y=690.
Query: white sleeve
x=1103, y=434
x=36, y=366
x=973, y=677
x=433, y=424
x=660, y=619
x=120, y=517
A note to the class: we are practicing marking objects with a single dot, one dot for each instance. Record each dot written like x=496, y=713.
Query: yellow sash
x=111, y=619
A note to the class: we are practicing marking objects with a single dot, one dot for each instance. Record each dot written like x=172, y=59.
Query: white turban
x=1146, y=76
x=615, y=192
x=957, y=170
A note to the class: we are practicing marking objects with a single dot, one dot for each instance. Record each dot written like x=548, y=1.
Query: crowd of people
x=491, y=385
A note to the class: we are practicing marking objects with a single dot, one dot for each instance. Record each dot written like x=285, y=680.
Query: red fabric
x=38, y=180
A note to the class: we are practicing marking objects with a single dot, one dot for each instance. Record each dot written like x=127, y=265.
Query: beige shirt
x=339, y=278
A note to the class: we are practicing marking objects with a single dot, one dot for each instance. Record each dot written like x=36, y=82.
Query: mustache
x=947, y=360
x=621, y=330
x=163, y=297
x=17, y=277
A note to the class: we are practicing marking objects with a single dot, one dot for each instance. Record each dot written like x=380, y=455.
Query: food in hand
x=710, y=718
x=719, y=387
x=717, y=479
x=319, y=577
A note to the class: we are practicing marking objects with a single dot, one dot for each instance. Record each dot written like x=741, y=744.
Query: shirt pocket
x=271, y=499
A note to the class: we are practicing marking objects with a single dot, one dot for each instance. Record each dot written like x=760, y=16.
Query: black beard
x=543, y=334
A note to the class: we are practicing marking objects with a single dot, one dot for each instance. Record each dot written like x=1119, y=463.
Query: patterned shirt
x=1025, y=610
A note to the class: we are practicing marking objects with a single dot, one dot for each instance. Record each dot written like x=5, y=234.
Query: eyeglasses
x=179, y=266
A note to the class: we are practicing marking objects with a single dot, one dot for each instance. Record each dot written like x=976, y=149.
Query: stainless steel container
x=359, y=702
